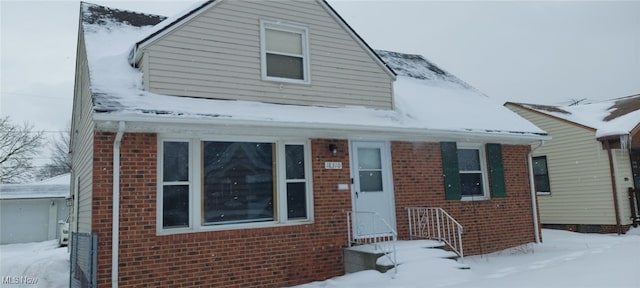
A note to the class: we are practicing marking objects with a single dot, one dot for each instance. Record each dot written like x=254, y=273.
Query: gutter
x=115, y=231
x=614, y=188
x=147, y=123
x=534, y=199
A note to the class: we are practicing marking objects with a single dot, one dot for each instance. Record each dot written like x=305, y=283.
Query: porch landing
x=370, y=257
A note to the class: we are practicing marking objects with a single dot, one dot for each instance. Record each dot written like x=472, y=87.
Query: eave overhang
x=227, y=126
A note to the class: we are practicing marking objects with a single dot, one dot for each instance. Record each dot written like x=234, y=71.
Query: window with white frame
x=296, y=182
x=467, y=168
x=285, y=52
x=236, y=184
x=175, y=184
x=473, y=179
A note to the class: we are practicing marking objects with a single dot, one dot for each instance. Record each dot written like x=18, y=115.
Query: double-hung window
x=176, y=184
x=296, y=182
x=541, y=175
x=472, y=172
x=285, y=52
x=238, y=184
x=467, y=169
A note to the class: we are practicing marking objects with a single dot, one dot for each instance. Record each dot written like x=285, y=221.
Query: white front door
x=372, y=189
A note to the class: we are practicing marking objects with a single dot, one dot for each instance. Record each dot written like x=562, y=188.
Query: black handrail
x=634, y=203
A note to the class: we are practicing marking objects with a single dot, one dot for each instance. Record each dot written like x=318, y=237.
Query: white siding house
x=214, y=54
x=588, y=163
x=30, y=212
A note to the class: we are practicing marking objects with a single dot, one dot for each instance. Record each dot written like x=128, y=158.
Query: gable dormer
x=299, y=53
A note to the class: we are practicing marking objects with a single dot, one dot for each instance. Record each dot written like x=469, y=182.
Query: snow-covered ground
x=39, y=264
x=565, y=259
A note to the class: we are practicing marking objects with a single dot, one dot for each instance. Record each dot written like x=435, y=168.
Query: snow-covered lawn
x=39, y=264
x=565, y=259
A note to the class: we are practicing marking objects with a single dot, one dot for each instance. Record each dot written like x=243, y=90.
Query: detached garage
x=30, y=212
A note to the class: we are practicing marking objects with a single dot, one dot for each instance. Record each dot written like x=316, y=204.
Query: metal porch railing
x=371, y=228
x=634, y=202
x=436, y=224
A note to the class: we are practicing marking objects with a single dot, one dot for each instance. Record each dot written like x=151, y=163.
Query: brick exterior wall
x=490, y=225
x=635, y=139
x=284, y=255
x=261, y=257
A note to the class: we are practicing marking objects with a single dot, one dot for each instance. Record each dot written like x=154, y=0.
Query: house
x=31, y=212
x=586, y=175
x=227, y=145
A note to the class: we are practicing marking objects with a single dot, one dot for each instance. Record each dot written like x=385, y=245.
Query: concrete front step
x=367, y=257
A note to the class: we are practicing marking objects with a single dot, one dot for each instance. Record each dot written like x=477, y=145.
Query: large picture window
x=237, y=180
x=243, y=184
x=285, y=55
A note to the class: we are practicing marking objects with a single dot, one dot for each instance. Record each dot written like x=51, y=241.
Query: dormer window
x=285, y=53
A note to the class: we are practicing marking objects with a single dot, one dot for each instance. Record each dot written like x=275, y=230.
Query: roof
x=101, y=15
x=427, y=99
x=56, y=187
x=202, y=5
x=619, y=116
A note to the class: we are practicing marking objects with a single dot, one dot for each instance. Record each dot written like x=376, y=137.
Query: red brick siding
x=635, y=138
x=284, y=255
x=265, y=257
x=488, y=225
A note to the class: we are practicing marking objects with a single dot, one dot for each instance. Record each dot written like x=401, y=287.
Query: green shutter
x=450, y=170
x=496, y=170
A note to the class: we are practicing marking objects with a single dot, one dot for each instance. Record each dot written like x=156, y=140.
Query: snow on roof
x=610, y=117
x=63, y=179
x=426, y=97
x=430, y=95
x=56, y=187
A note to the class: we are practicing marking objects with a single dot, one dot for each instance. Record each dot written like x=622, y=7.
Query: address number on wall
x=332, y=165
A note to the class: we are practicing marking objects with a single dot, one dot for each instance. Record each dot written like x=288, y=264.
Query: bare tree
x=18, y=145
x=60, y=157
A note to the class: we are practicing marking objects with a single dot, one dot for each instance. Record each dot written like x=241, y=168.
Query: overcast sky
x=536, y=52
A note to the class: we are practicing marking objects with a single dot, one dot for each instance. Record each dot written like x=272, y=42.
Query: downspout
x=534, y=200
x=115, y=232
x=613, y=186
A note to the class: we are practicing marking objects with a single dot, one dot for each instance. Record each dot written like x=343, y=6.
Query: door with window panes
x=372, y=192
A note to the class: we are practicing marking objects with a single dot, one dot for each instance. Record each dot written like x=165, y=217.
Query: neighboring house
x=31, y=212
x=227, y=146
x=584, y=175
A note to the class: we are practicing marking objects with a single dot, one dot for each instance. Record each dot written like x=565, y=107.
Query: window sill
x=474, y=198
x=286, y=80
x=230, y=227
x=543, y=193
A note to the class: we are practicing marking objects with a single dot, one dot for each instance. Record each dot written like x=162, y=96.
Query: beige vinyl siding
x=624, y=181
x=217, y=55
x=82, y=141
x=578, y=174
